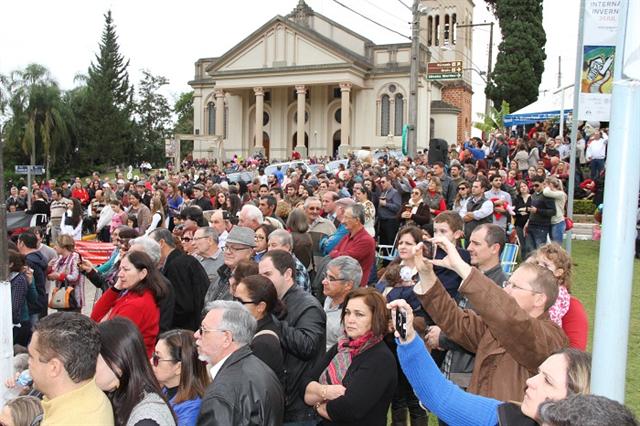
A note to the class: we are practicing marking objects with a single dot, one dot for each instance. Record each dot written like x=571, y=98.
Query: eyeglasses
x=415, y=192
x=244, y=302
x=155, y=359
x=202, y=330
x=332, y=279
x=232, y=249
x=199, y=238
x=509, y=284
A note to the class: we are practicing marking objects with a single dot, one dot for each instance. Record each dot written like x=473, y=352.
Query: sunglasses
x=186, y=239
x=462, y=188
x=155, y=359
x=244, y=302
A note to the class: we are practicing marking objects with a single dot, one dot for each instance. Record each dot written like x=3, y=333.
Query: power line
x=371, y=20
x=405, y=20
x=403, y=3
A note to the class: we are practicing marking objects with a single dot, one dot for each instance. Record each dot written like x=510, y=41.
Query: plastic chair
x=388, y=252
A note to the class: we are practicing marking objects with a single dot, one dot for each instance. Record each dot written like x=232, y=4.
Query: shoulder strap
x=265, y=333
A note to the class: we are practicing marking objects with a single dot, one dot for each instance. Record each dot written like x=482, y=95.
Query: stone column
x=345, y=129
x=301, y=90
x=259, y=91
x=219, y=130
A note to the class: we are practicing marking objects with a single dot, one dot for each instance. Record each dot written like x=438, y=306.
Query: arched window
x=211, y=118
x=445, y=39
x=399, y=115
x=454, y=30
x=429, y=30
x=384, y=115
x=437, y=31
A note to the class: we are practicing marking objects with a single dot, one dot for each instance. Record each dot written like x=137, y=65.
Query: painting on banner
x=598, y=58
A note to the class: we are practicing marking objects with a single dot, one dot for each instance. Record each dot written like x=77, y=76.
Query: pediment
x=281, y=44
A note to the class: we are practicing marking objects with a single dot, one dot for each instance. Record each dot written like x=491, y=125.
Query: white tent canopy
x=545, y=108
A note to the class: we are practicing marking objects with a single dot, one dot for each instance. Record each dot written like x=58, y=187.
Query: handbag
x=63, y=297
x=568, y=222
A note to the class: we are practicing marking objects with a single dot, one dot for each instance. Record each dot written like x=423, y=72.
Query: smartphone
x=401, y=323
x=427, y=250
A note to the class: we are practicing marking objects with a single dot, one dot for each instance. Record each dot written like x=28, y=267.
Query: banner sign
x=598, y=57
x=444, y=70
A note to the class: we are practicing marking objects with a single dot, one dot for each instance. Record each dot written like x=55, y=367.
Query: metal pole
x=412, y=145
x=615, y=273
x=6, y=334
x=487, y=101
x=559, y=71
x=574, y=125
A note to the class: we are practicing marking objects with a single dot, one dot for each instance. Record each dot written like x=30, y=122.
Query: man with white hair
x=223, y=340
x=282, y=240
x=221, y=221
x=313, y=208
x=250, y=217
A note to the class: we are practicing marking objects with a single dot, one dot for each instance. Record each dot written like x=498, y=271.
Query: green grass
x=585, y=260
x=585, y=257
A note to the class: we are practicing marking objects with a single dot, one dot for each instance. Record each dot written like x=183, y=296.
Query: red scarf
x=347, y=350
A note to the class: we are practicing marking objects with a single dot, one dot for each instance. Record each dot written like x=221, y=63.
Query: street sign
x=451, y=70
x=24, y=170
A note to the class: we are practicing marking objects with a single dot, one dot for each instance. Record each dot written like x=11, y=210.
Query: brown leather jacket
x=509, y=343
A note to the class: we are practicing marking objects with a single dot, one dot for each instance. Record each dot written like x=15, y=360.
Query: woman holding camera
x=355, y=381
x=416, y=211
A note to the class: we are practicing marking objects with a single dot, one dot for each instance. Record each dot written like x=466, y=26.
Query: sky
x=167, y=37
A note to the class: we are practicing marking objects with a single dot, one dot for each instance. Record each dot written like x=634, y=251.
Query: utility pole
x=412, y=145
x=4, y=255
x=559, y=71
x=487, y=102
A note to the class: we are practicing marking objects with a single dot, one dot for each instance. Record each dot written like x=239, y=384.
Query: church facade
x=304, y=82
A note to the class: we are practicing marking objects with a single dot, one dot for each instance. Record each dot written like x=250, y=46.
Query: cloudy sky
x=167, y=37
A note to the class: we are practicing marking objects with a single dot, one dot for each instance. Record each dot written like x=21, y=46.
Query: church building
x=305, y=82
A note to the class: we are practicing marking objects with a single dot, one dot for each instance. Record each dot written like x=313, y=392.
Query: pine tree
x=518, y=71
x=109, y=138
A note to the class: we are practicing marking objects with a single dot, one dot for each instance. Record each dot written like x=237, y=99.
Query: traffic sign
x=450, y=70
x=24, y=169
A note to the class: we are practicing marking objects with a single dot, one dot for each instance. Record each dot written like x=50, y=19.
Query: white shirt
x=597, y=149
x=215, y=369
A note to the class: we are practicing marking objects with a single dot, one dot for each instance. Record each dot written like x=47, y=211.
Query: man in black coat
x=540, y=212
x=302, y=331
x=244, y=391
x=188, y=278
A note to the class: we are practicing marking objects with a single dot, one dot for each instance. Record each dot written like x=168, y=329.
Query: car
x=244, y=176
x=270, y=170
x=333, y=166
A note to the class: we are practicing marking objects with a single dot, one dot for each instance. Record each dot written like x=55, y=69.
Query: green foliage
x=184, y=110
x=39, y=123
x=108, y=105
x=583, y=207
x=494, y=121
x=520, y=64
x=153, y=118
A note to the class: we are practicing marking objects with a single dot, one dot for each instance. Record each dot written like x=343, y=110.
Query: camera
x=401, y=323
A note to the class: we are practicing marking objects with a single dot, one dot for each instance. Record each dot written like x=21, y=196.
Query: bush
x=583, y=207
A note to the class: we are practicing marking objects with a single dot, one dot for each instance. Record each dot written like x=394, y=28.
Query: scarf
x=561, y=307
x=347, y=350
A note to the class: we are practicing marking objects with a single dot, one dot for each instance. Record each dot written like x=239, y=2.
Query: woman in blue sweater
x=564, y=373
x=181, y=374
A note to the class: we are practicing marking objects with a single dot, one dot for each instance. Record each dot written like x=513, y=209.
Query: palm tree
x=493, y=121
x=38, y=113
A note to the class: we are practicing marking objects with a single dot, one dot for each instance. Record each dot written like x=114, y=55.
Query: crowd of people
x=269, y=301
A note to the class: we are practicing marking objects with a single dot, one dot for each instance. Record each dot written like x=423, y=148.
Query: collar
x=215, y=369
x=54, y=407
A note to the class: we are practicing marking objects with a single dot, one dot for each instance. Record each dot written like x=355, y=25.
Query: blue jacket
x=329, y=243
x=187, y=411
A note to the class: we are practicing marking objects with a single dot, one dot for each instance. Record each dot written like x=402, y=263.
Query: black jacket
x=303, y=336
x=36, y=261
x=267, y=347
x=245, y=392
x=371, y=380
x=190, y=283
x=545, y=206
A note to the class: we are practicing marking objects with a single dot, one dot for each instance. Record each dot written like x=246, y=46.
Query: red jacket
x=575, y=324
x=82, y=195
x=141, y=309
x=362, y=247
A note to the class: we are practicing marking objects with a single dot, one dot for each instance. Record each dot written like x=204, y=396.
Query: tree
x=184, y=110
x=109, y=104
x=153, y=117
x=518, y=71
x=39, y=121
x=493, y=121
